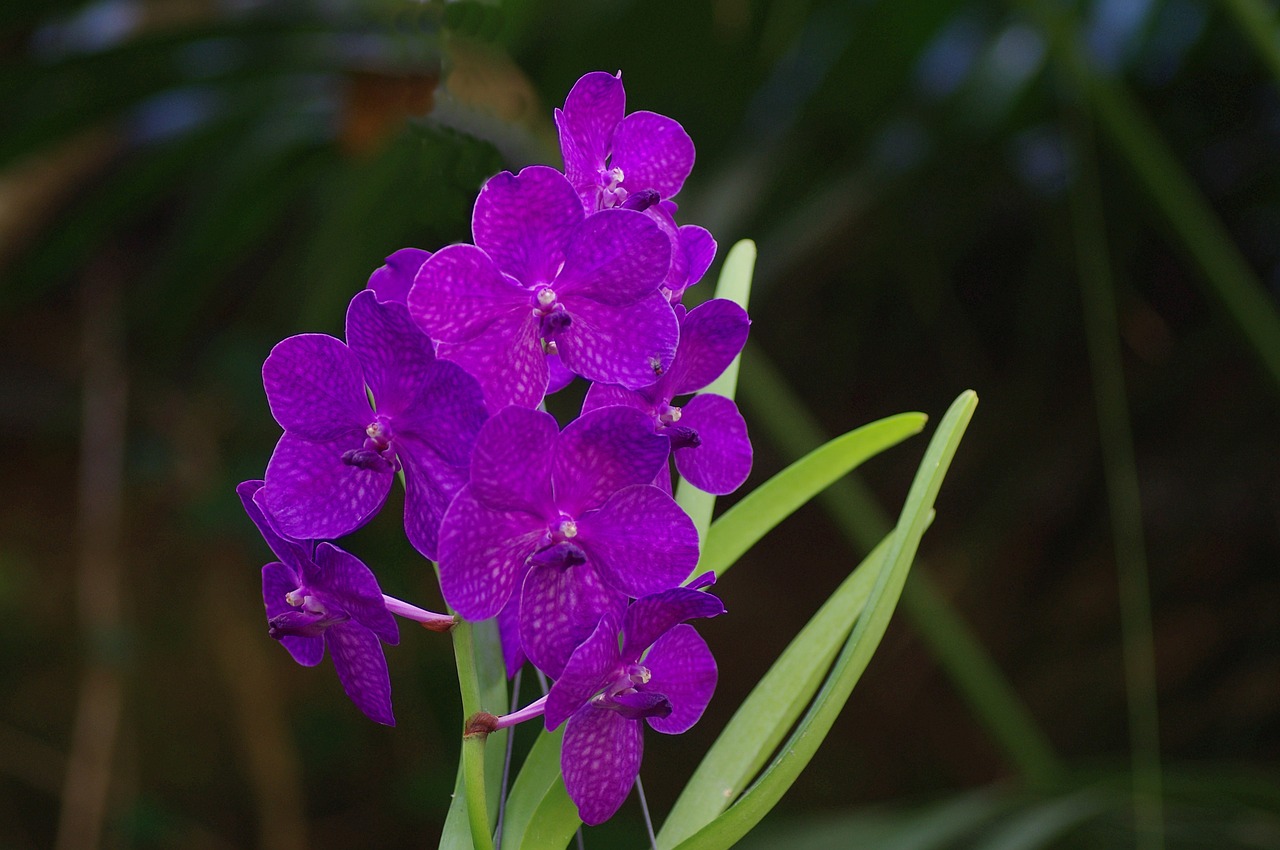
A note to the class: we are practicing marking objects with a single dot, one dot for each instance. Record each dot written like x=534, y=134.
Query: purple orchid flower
x=567, y=518
x=543, y=277
x=391, y=282
x=663, y=674
x=319, y=596
x=610, y=156
x=333, y=467
x=638, y=161
x=707, y=435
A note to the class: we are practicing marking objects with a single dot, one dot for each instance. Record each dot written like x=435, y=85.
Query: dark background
x=1070, y=207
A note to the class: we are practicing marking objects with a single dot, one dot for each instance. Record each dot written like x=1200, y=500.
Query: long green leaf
x=800, y=747
x=779, y=497
x=734, y=284
x=536, y=782
x=773, y=705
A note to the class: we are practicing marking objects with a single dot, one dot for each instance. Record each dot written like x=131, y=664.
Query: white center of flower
x=568, y=529
x=546, y=298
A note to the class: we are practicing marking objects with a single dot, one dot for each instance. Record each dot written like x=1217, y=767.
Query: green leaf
x=763, y=795
x=734, y=284
x=482, y=683
x=772, y=706
x=529, y=819
x=780, y=496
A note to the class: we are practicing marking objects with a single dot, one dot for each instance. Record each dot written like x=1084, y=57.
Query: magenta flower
x=333, y=467
x=569, y=520
x=320, y=596
x=610, y=156
x=707, y=435
x=391, y=282
x=544, y=277
x=663, y=674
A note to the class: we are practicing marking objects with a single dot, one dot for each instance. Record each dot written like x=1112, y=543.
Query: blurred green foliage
x=231, y=172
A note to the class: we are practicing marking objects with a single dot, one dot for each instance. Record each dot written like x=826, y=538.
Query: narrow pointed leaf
x=780, y=496
x=758, y=800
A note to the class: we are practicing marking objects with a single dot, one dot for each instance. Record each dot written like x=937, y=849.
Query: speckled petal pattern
x=650, y=617
x=711, y=335
x=314, y=387
x=524, y=221
x=313, y=494
x=723, y=461
x=351, y=584
x=362, y=669
x=559, y=608
x=391, y=282
x=640, y=541
x=601, y=452
x=654, y=152
x=590, y=668
x=600, y=761
x=616, y=257
x=482, y=554
x=683, y=669
x=632, y=346
x=395, y=355
x=459, y=292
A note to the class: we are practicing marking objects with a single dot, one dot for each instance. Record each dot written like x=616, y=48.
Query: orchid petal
x=524, y=221
x=592, y=110
x=351, y=585
x=392, y=281
x=362, y=669
x=600, y=760
x=632, y=345
x=640, y=541
x=654, y=152
x=682, y=668
x=482, y=554
x=512, y=462
x=312, y=493
x=590, y=667
x=711, y=335
x=559, y=608
x=722, y=461
x=652, y=616
x=278, y=580
x=601, y=452
x=395, y=355
x=616, y=257
x=314, y=387
x=460, y=291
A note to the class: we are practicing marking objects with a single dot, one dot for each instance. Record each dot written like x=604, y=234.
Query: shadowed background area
x=1070, y=207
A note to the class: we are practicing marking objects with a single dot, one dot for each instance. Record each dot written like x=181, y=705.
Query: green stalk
x=1102, y=336
x=787, y=422
x=473, y=745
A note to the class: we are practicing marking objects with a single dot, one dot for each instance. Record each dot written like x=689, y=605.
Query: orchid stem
x=472, y=745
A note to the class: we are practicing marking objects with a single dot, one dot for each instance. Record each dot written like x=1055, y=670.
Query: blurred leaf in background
x=209, y=176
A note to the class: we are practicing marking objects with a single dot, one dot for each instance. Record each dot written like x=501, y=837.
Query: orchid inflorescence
x=569, y=536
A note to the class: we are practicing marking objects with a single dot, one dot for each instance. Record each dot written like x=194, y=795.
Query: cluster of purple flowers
x=569, y=536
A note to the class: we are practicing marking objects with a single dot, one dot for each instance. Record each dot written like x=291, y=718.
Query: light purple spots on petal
x=593, y=665
x=616, y=257
x=711, y=335
x=722, y=461
x=395, y=355
x=601, y=452
x=699, y=249
x=683, y=669
x=362, y=669
x=446, y=413
x=459, y=292
x=314, y=387
x=348, y=582
x=640, y=541
x=607, y=395
x=632, y=345
x=654, y=152
x=430, y=483
x=512, y=462
x=595, y=105
x=600, y=761
x=507, y=359
x=392, y=281
x=313, y=494
x=482, y=554
x=523, y=221
x=559, y=608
